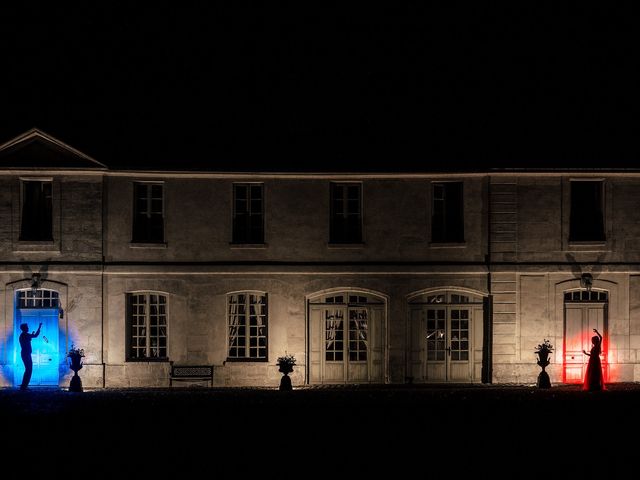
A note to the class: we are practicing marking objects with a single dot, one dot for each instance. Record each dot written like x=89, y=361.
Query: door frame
x=605, y=332
x=476, y=343
x=312, y=301
x=54, y=312
x=614, y=310
x=448, y=319
x=6, y=334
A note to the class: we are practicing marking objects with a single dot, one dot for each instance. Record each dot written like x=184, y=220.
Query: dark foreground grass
x=427, y=403
x=359, y=427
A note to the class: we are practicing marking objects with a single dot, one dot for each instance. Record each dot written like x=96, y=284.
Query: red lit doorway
x=583, y=311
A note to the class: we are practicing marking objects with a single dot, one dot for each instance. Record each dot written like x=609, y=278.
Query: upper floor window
x=146, y=326
x=248, y=213
x=148, y=212
x=346, y=213
x=247, y=322
x=37, y=211
x=587, y=211
x=447, y=214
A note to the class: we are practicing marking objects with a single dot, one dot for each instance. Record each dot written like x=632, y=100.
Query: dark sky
x=406, y=87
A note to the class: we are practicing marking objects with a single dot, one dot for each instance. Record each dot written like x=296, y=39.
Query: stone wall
x=198, y=216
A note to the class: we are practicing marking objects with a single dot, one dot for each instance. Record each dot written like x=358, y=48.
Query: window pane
x=334, y=335
x=447, y=214
x=256, y=206
x=241, y=192
x=156, y=206
x=346, y=213
x=248, y=222
x=256, y=192
x=147, y=326
x=148, y=221
x=37, y=210
x=587, y=211
x=251, y=342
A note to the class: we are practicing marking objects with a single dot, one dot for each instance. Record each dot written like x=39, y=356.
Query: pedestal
x=543, y=361
x=285, y=383
x=543, y=380
x=76, y=383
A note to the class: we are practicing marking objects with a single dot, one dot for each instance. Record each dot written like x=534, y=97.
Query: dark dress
x=593, y=379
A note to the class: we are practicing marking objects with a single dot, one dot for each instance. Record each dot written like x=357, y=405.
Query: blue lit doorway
x=34, y=307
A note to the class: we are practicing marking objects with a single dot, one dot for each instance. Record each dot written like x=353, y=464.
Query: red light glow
x=574, y=363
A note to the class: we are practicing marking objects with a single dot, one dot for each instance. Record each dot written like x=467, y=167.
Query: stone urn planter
x=543, y=351
x=285, y=366
x=75, y=356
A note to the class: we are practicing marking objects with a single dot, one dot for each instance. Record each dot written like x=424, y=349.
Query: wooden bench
x=191, y=373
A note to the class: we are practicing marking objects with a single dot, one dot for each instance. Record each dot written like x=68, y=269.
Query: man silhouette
x=25, y=344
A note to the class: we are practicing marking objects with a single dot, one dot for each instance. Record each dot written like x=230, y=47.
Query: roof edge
x=37, y=133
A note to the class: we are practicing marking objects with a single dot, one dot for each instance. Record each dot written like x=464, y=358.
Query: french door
x=346, y=344
x=579, y=321
x=442, y=343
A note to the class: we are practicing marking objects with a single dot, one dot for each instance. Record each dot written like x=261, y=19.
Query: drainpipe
x=104, y=369
x=487, y=334
x=102, y=310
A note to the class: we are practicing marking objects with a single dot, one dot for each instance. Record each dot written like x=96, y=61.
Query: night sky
x=405, y=87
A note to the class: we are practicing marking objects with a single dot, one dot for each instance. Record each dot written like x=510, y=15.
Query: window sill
x=147, y=245
x=34, y=246
x=447, y=245
x=248, y=246
x=588, y=246
x=245, y=360
x=36, y=242
x=147, y=360
x=332, y=245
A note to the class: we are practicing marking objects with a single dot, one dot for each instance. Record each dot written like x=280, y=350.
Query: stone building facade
x=365, y=278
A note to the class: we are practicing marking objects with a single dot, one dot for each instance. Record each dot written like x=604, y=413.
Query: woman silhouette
x=593, y=379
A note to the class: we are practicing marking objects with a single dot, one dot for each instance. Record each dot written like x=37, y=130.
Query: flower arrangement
x=543, y=350
x=286, y=363
x=544, y=347
x=75, y=354
x=287, y=360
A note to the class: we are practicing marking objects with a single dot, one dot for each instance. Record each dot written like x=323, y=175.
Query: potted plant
x=285, y=365
x=543, y=350
x=75, y=356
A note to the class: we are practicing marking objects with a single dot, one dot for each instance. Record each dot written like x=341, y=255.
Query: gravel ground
x=386, y=424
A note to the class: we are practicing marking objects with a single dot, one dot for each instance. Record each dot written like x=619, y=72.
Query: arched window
x=40, y=298
x=247, y=320
x=586, y=296
x=147, y=319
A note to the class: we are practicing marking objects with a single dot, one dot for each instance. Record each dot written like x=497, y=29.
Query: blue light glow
x=45, y=348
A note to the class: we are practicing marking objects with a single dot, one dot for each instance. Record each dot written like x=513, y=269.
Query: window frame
x=235, y=240
x=587, y=246
x=602, y=206
x=333, y=227
x=247, y=326
x=128, y=326
x=40, y=298
x=41, y=181
x=149, y=212
x=444, y=240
